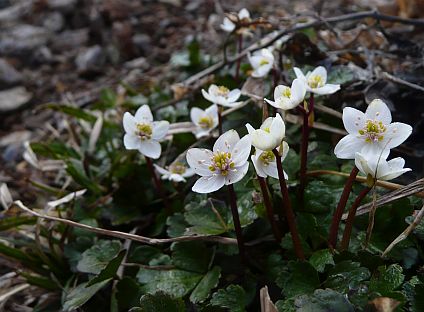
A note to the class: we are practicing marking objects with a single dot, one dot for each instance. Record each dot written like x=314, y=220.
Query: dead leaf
x=384, y=304
x=266, y=304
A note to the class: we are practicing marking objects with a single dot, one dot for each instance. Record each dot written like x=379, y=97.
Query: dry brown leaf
x=384, y=304
x=266, y=304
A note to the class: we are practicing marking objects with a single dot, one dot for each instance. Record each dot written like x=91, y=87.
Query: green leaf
x=346, y=275
x=76, y=171
x=161, y=302
x=207, y=217
x=14, y=222
x=81, y=294
x=144, y=254
x=40, y=281
x=246, y=209
x=128, y=293
x=55, y=150
x=387, y=279
x=321, y=198
x=340, y=75
x=191, y=256
x=176, y=283
x=109, y=271
x=95, y=259
x=323, y=300
x=176, y=225
x=320, y=259
x=73, y=111
x=298, y=278
x=208, y=282
x=233, y=298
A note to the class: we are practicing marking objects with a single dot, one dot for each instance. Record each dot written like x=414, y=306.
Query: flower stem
x=337, y=216
x=371, y=219
x=239, y=48
x=220, y=119
x=236, y=221
x=351, y=217
x=288, y=209
x=158, y=184
x=304, y=147
x=269, y=209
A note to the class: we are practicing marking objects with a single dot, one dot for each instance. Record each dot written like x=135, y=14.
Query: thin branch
x=133, y=237
x=400, y=81
x=404, y=234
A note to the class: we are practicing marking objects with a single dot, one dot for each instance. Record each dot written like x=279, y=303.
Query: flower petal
x=129, y=123
x=188, y=173
x=348, y=146
x=208, y=184
x=298, y=91
x=299, y=74
x=233, y=95
x=327, y=89
x=131, y=141
x=208, y=96
x=272, y=103
x=244, y=13
x=236, y=174
x=160, y=129
x=285, y=148
x=271, y=170
x=196, y=114
x=144, y=114
x=397, y=133
x=199, y=159
x=161, y=170
x=263, y=140
x=374, y=150
x=320, y=71
x=241, y=151
x=258, y=164
x=379, y=111
x=255, y=60
x=278, y=128
x=227, y=141
x=150, y=148
x=227, y=25
x=212, y=111
x=353, y=120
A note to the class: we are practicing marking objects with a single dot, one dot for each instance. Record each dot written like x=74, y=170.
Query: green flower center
x=315, y=81
x=206, y=122
x=223, y=91
x=373, y=131
x=144, y=131
x=177, y=168
x=222, y=163
x=263, y=62
x=286, y=92
x=267, y=157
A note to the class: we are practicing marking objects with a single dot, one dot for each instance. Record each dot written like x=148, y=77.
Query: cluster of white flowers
x=370, y=137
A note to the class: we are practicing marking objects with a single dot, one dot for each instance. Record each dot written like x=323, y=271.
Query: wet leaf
x=98, y=256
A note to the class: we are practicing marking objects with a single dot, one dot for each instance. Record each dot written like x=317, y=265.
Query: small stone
x=64, y=6
x=143, y=44
x=70, y=39
x=92, y=58
x=8, y=74
x=23, y=39
x=13, y=99
x=53, y=21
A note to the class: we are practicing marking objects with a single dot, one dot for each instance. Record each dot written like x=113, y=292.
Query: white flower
x=204, y=120
x=269, y=135
x=377, y=167
x=370, y=133
x=261, y=62
x=229, y=26
x=176, y=172
x=265, y=164
x=316, y=81
x=226, y=164
x=222, y=96
x=144, y=134
x=288, y=98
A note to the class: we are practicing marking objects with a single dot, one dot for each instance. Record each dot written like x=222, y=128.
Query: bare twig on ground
x=400, y=81
x=405, y=233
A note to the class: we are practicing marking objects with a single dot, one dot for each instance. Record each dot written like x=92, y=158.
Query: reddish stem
x=304, y=147
x=158, y=184
x=236, y=221
x=337, y=216
x=220, y=119
x=269, y=209
x=351, y=217
x=288, y=208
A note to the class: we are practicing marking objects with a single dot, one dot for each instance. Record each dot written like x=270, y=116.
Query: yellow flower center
x=373, y=131
x=222, y=163
x=177, y=168
x=263, y=62
x=267, y=129
x=286, y=92
x=315, y=81
x=206, y=122
x=267, y=157
x=223, y=91
x=144, y=131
